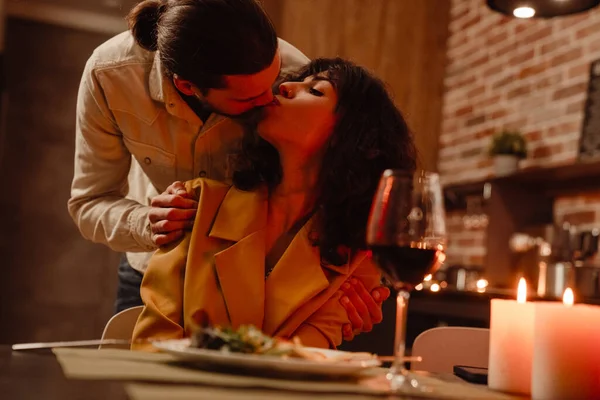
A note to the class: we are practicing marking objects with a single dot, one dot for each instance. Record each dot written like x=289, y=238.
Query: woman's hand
x=172, y=212
x=363, y=308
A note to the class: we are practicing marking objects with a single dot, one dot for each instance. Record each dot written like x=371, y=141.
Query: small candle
x=511, y=343
x=566, y=352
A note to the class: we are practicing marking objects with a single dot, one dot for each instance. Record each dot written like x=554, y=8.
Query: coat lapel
x=296, y=279
x=297, y=283
x=240, y=267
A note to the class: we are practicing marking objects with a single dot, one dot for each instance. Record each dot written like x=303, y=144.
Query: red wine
x=405, y=267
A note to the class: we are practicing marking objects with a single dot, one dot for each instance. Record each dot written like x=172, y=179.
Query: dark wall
x=54, y=284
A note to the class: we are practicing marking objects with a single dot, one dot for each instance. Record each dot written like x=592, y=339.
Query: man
x=154, y=107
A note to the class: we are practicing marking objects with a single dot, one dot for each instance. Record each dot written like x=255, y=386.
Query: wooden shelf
x=519, y=201
x=552, y=182
x=455, y=196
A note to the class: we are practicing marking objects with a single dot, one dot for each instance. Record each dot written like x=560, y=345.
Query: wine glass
x=406, y=233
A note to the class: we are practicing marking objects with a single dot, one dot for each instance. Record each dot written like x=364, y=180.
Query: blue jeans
x=128, y=289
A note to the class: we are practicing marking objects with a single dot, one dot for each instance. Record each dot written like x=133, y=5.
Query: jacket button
x=202, y=174
x=147, y=161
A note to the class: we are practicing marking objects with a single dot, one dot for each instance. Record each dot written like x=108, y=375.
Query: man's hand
x=363, y=308
x=172, y=212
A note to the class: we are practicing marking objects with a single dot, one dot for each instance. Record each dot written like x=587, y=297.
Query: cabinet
x=519, y=200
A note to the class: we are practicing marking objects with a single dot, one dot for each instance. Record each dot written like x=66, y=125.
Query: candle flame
x=481, y=284
x=568, y=297
x=522, y=291
x=427, y=278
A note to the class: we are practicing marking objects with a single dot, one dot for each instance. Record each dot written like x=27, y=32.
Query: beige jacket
x=134, y=137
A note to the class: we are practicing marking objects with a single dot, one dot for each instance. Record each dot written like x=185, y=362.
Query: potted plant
x=507, y=148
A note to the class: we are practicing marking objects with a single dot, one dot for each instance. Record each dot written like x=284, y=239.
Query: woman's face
x=302, y=117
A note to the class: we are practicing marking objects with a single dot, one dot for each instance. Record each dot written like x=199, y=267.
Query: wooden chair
x=120, y=326
x=443, y=348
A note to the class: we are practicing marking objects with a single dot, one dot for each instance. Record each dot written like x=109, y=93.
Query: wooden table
x=37, y=375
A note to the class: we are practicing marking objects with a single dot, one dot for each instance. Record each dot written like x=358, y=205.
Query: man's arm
x=102, y=162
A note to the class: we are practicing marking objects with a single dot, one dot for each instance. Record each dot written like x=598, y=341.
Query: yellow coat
x=219, y=269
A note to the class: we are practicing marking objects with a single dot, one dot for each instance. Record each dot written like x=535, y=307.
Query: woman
x=273, y=249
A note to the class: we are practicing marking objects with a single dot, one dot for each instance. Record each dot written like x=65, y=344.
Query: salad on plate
x=248, y=339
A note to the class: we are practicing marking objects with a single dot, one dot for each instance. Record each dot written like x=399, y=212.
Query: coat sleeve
x=324, y=327
x=162, y=287
x=162, y=294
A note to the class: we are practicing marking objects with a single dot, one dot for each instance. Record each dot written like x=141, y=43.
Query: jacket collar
x=163, y=90
x=241, y=214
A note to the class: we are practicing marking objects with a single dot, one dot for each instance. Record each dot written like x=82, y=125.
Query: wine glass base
x=405, y=382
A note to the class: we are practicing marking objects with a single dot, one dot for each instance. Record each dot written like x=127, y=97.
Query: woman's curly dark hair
x=369, y=137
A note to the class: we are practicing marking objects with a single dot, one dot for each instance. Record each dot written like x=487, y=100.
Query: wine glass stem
x=398, y=371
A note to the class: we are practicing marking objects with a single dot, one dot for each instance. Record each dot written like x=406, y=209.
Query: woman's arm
x=162, y=293
x=363, y=307
x=324, y=327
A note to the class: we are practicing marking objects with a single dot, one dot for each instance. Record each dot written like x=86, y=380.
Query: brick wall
x=529, y=75
x=466, y=246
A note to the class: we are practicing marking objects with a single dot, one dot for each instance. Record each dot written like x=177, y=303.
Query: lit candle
x=511, y=343
x=566, y=352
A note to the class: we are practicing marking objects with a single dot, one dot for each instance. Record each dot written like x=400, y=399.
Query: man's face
x=244, y=92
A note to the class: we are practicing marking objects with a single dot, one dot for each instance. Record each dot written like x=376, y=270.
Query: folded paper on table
x=126, y=365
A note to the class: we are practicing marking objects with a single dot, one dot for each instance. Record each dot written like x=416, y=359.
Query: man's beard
x=250, y=118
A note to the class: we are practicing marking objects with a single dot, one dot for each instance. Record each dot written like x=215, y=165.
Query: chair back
x=120, y=326
x=444, y=347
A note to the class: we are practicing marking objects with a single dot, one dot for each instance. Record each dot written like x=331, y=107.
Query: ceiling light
x=541, y=8
x=523, y=12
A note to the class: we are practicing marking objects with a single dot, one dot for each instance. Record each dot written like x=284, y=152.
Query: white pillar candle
x=566, y=352
x=511, y=343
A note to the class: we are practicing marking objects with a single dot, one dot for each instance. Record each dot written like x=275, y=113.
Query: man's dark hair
x=370, y=136
x=202, y=40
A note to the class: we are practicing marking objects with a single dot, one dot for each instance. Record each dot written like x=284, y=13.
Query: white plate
x=351, y=364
